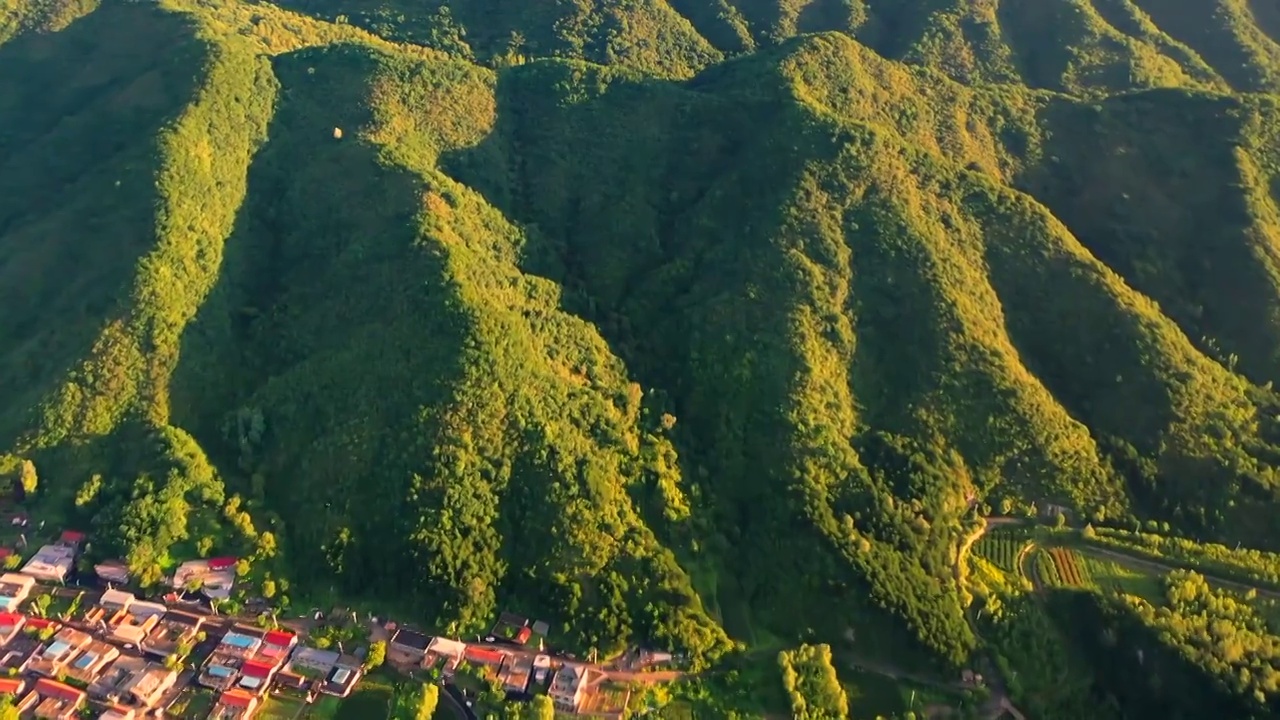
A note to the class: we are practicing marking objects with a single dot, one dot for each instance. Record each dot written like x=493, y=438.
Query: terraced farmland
x=1067, y=565
x=1002, y=549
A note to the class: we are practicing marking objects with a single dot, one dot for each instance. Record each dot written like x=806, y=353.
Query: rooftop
x=341, y=679
x=411, y=639
x=173, y=628
x=568, y=679
x=129, y=628
x=18, y=651
x=51, y=563
x=238, y=643
x=112, y=682
x=53, y=656
x=234, y=704
x=448, y=648
x=12, y=583
x=236, y=698
x=112, y=571
x=10, y=625
x=516, y=677
x=484, y=656
x=86, y=666
x=257, y=669
x=116, y=599
x=50, y=699
x=220, y=672
x=314, y=659
x=280, y=638
x=147, y=686
x=216, y=577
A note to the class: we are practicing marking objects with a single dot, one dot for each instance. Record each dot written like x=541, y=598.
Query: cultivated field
x=1002, y=549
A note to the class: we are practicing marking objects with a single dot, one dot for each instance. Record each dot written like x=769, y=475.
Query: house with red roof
x=36, y=623
x=256, y=675
x=487, y=660
x=11, y=624
x=12, y=686
x=71, y=538
x=477, y=655
x=275, y=647
x=234, y=705
x=51, y=699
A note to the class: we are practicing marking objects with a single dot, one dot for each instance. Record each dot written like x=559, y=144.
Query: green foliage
x=27, y=478
x=1247, y=565
x=811, y=683
x=646, y=34
x=415, y=701
x=1219, y=633
x=1044, y=676
x=377, y=655
x=1167, y=662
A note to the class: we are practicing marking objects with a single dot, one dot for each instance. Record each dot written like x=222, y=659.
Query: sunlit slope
x=84, y=113
x=1220, y=295
x=40, y=15
x=1077, y=46
x=645, y=34
x=1082, y=47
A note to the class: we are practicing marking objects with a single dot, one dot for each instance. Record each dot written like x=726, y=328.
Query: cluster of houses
x=116, y=658
x=53, y=670
x=247, y=662
x=517, y=670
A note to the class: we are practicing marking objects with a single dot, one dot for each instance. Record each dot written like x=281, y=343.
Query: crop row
x=1002, y=550
x=1068, y=567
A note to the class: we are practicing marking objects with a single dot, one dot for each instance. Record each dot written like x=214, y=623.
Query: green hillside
x=711, y=324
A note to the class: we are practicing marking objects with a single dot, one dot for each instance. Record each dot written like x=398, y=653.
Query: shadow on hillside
x=1150, y=184
x=328, y=324
x=654, y=207
x=83, y=110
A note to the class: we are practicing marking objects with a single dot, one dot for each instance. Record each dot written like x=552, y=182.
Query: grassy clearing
x=370, y=700
x=324, y=708
x=872, y=695
x=279, y=707
x=1110, y=575
x=193, y=704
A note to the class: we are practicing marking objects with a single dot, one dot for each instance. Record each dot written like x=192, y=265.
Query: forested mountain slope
x=663, y=318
